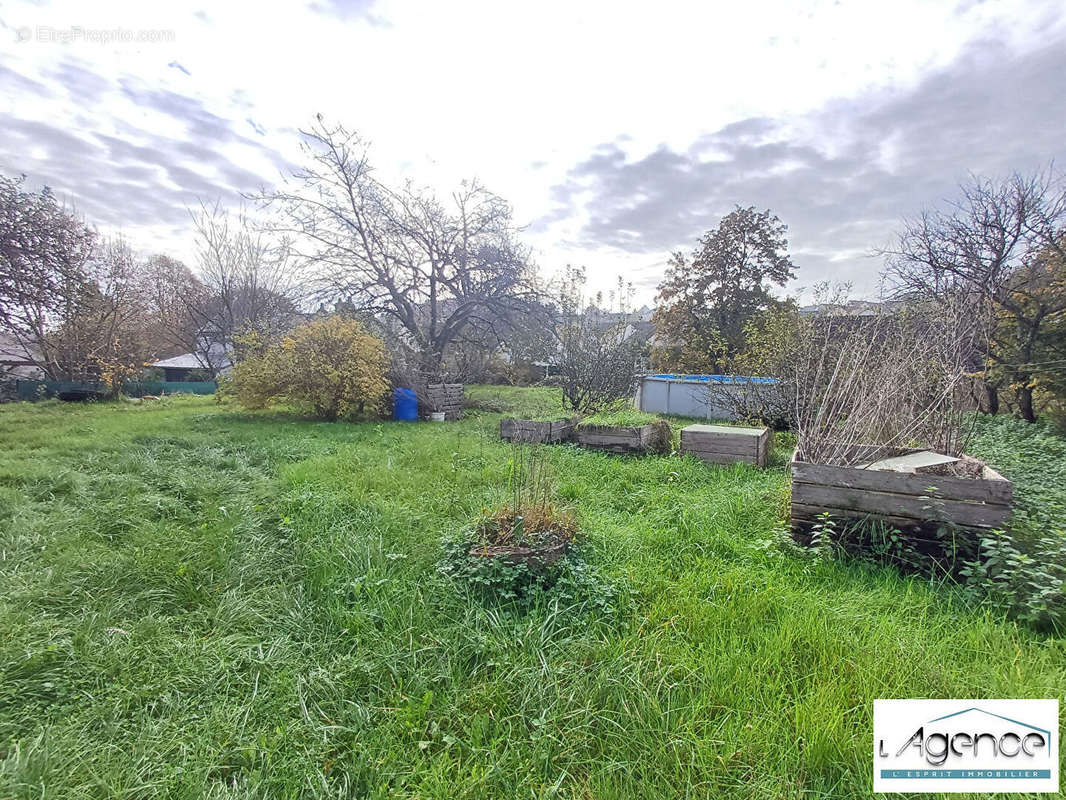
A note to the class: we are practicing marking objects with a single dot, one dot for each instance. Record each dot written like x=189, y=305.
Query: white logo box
x=966, y=745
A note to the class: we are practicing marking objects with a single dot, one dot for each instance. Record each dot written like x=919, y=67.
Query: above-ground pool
x=692, y=395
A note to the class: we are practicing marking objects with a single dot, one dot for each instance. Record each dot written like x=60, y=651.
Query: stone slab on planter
x=640, y=439
x=904, y=499
x=446, y=397
x=727, y=444
x=527, y=430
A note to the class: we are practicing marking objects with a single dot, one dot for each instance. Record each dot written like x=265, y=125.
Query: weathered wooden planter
x=727, y=444
x=527, y=430
x=543, y=556
x=625, y=439
x=904, y=499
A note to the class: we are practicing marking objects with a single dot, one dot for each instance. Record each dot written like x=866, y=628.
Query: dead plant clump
x=532, y=527
x=662, y=438
x=965, y=467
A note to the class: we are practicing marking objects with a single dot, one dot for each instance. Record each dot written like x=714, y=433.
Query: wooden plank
x=747, y=449
x=689, y=436
x=801, y=512
x=620, y=439
x=612, y=437
x=712, y=440
x=562, y=428
x=699, y=451
x=862, y=501
x=729, y=445
x=728, y=430
x=994, y=488
x=812, y=514
x=724, y=458
x=531, y=431
x=764, y=448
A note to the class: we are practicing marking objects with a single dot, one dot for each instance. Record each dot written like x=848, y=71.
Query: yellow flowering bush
x=115, y=367
x=332, y=367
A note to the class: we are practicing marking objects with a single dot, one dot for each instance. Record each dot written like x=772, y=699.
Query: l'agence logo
x=966, y=745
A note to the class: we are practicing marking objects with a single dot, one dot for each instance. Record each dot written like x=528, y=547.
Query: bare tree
x=169, y=290
x=597, y=351
x=431, y=268
x=82, y=306
x=69, y=298
x=102, y=333
x=45, y=254
x=985, y=251
x=245, y=286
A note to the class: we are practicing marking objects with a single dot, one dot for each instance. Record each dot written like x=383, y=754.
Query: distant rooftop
x=217, y=355
x=852, y=308
x=184, y=361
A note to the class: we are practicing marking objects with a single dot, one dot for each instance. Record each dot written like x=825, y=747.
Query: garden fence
x=36, y=390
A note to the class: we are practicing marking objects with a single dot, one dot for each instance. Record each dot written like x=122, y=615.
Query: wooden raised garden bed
x=640, y=439
x=532, y=431
x=902, y=498
x=727, y=444
x=536, y=556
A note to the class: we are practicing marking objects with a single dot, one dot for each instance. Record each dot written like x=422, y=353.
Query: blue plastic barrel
x=404, y=405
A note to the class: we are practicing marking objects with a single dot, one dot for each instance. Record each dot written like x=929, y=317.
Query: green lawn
x=196, y=601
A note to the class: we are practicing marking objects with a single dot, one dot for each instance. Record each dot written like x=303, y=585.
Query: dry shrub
x=892, y=379
x=529, y=526
x=662, y=437
x=597, y=354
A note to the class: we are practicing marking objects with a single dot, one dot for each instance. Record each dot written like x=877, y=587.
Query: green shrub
x=572, y=582
x=1030, y=586
x=331, y=367
x=1033, y=457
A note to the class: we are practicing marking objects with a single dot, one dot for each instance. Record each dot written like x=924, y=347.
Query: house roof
x=852, y=308
x=184, y=361
x=12, y=352
x=217, y=355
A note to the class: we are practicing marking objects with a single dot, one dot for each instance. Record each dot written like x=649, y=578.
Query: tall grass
x=198, y=603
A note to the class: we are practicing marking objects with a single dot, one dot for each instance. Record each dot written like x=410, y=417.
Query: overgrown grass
x=198, y=602
x=1034, y=458
x=624, y=418
x=536, y=403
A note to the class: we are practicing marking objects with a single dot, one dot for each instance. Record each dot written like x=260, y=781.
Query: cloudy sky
x=619, y=131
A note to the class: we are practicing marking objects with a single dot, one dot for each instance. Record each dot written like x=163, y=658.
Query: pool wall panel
x=690, y=395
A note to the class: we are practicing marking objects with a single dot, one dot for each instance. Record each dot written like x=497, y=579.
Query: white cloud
x=515, y=94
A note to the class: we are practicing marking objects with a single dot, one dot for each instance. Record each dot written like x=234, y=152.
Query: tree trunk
x=1027, y=332
x=432, y=366
x=990, y=402
x=1025, y=402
